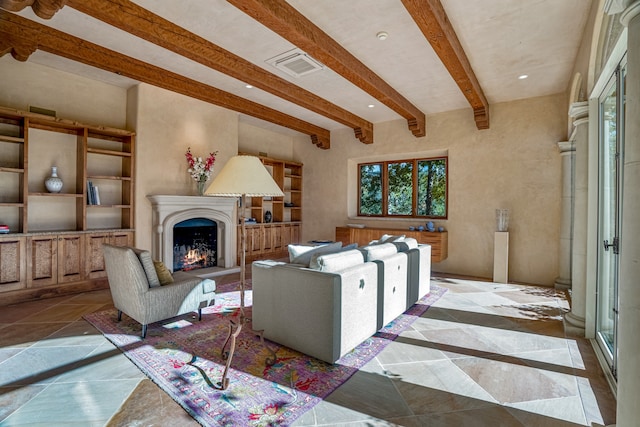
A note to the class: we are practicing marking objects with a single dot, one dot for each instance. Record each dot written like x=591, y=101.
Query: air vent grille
x=295, y=63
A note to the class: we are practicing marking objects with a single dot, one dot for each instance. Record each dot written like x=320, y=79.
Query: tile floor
x=485, y=354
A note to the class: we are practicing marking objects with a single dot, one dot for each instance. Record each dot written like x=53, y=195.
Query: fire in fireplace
x=195, y=244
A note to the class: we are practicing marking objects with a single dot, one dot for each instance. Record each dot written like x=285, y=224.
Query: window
x=403, y=188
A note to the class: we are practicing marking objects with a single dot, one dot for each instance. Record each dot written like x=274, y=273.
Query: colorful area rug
x=183, y=357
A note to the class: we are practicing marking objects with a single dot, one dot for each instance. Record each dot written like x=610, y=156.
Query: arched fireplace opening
x=195, y=244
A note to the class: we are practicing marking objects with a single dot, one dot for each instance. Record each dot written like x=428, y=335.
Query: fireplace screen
x=195, y=244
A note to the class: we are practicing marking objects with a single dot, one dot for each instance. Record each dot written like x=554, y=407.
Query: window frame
x=414, y=181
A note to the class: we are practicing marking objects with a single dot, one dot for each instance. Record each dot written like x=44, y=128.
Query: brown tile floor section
x=485, y=354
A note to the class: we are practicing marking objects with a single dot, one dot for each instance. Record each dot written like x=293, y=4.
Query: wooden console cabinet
x=269, y=241
x=54, y=244
x=362, y=236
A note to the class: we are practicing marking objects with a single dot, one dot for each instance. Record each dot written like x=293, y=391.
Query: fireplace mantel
x=168, y=210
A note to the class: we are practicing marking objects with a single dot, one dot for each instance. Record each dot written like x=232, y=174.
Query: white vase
x=53, y=183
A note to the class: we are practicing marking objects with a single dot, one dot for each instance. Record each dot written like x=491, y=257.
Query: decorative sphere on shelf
x=440, y=229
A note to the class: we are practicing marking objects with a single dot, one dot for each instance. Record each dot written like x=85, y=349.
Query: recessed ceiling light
x=371, y=105
x=523, y=76
x=248, y=86
x=382, y=35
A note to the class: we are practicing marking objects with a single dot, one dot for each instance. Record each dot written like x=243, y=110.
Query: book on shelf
x=96, y=195
x=93, y=196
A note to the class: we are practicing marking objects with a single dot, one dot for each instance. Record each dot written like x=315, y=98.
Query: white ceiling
x=503, y=39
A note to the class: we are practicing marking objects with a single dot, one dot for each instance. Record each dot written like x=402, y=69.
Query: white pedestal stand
x=501, y=257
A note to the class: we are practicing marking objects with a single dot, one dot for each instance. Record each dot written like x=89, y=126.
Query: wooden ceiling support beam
x=285, y=20
x=45, y=9
x=130, y=17
x=21, y=32
x=434, y=24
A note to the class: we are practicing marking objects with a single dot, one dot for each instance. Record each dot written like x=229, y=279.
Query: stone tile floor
x=485, y=354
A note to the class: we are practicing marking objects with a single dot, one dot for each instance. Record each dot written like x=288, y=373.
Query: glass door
x=610, y=202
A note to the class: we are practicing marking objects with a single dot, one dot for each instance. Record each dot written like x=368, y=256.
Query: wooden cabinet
x=270, y=239
x=42, y=261
x=54, y=259
x=362, y=236
x=12, y=263
x=94, y=257
x=55, y=241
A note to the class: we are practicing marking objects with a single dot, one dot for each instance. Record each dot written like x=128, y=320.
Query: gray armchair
x=136, y=290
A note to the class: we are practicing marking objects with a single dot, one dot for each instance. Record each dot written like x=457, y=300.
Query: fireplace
x=213, y=219
x=195, y=244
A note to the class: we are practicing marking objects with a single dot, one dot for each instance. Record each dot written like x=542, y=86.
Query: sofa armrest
x=321, y=314
x=419, y=273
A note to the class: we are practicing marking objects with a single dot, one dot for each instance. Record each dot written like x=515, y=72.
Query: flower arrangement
x=199, y=169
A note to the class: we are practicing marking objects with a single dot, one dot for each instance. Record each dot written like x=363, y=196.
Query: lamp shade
x=244, y=176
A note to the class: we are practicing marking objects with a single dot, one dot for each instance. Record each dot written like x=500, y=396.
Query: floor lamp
x=243, y=176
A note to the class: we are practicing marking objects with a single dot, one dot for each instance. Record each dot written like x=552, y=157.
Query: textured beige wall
x=513, y=165
x=72, y=97
x=167, y=124
x=253, y=140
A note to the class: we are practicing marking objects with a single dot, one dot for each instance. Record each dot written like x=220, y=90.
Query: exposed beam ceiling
x=286, y=21
x=475, y=53
x=434, y=24
x=22, y=36
x=136, y=20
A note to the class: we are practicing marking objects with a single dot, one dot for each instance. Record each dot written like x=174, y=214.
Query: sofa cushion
x=300, y=254
x=339, y=260
x=313, y=263
x=406, y=244
x=376, y=252
x=147, y=264
x=164, y=275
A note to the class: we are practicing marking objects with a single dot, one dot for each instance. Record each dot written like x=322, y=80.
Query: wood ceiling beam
x=20, y=36
x=130, y=17
x=45, y=9
x=437, y=29
x=286, y=21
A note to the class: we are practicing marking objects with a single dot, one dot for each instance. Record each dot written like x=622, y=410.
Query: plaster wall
x=72, y=97
x=514, y=165
x=253, y=140
x=583, y=56
x=167, y=124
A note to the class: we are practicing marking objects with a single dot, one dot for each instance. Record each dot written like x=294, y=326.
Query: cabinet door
x=344, y=235
x=42, y=260
x=285, y=236
x=12, y=263
x=267, y=239
x=277, y=236
x=94, y=258
x=295, y=233
x=121, y=238
x=70, y=258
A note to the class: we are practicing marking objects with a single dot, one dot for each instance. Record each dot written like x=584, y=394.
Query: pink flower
x=198, y=169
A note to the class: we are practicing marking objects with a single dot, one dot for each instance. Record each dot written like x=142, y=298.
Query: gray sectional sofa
x=330, y=299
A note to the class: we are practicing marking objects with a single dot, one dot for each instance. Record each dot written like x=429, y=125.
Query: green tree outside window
x=404, y=188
